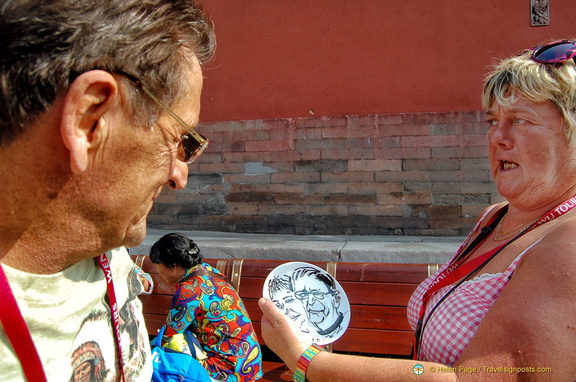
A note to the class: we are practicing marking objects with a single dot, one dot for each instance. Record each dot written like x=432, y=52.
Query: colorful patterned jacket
x=212, y=310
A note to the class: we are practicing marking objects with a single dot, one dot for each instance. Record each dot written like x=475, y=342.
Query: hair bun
x=193, y=250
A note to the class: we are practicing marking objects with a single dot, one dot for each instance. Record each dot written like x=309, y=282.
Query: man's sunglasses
x=191, y=144
x=557, y=51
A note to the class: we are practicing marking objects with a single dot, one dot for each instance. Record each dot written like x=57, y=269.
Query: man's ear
x=337, y=297
x=89, y=97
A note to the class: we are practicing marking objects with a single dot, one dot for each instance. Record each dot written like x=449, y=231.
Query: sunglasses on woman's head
x=557, y=51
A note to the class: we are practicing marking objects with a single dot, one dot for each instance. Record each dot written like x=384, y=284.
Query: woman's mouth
x=505, y=165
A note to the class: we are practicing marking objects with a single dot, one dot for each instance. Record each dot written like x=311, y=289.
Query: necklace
x=500, y=236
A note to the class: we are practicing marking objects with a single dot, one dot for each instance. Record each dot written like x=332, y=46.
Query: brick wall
x=393, y=174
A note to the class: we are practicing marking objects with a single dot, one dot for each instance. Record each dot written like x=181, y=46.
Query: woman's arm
x=145, y=279
x=181, y=313
x=286, y=341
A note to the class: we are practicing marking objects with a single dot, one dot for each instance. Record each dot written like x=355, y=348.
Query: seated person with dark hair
x=207, y=305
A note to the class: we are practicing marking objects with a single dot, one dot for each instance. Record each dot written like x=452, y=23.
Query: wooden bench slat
x=369, y=293
x=369, y=341
x=251, y=287
x=388, y=273
x=157, y=304
x=261, y=268
x=377, y=272
x=382, y=318
x=375, y=342
x=275, y=371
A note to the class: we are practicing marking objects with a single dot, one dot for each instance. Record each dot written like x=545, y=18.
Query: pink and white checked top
x=457, y=318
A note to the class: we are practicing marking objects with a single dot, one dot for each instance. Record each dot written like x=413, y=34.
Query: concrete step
x=372, y=249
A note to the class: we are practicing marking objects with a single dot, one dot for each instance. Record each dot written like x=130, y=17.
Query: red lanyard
x=105, y=265
x=459, y=271
x=18, y=333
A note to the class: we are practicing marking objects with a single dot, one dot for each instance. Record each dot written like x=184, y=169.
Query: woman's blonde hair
x=539, y=82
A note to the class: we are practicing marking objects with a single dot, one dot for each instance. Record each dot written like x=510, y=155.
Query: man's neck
x=50, y=243
x=42, y=259
x=32, y=176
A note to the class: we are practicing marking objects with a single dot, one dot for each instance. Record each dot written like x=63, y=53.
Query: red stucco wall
x=280, y=58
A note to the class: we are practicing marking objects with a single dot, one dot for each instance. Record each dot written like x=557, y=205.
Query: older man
x=99, y=101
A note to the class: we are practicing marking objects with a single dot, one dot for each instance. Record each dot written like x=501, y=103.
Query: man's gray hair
x=45, y=45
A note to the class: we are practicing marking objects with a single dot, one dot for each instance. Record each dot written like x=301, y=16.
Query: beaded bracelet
x=304, y=361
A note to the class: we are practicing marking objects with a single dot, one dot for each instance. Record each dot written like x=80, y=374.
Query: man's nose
x=178, y=175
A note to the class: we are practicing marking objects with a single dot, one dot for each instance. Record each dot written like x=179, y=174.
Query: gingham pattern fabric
x=457, y=318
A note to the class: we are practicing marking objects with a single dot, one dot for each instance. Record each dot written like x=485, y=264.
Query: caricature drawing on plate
x=312, y=298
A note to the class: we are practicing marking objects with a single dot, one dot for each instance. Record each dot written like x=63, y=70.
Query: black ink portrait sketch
x=312, y=299
x=282, y=293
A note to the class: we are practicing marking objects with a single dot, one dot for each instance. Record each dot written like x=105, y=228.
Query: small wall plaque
x=539, y=13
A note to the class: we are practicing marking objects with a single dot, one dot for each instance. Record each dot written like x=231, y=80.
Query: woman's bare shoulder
x=531, y=321
x=557, y=246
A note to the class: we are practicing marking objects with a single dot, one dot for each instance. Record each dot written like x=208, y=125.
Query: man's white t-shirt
x=70, y=322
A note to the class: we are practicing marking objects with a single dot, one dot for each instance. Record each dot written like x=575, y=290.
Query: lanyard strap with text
x=104, y=264
x=17, y=332
x=454, y=273
x=457, y=271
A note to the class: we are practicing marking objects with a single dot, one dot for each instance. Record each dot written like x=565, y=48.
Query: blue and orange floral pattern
x=211, y=309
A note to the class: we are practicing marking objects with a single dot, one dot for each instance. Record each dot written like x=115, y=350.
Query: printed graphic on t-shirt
x=94, y=357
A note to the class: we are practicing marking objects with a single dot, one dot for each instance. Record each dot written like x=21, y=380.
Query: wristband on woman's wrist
x=304, y=361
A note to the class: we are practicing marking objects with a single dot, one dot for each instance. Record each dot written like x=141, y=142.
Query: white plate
x=312, y=298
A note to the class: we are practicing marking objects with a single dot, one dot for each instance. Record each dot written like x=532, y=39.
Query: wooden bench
x=378, y=294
